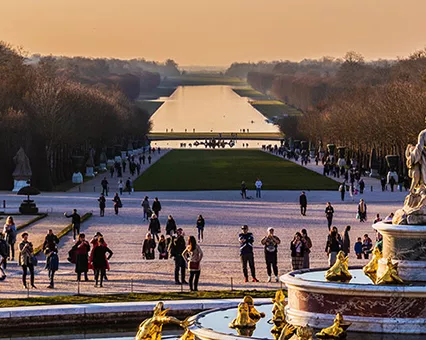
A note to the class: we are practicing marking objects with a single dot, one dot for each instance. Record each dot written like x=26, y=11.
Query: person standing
x=129, y=185
x=102, y=204
x=193, y=254
x=162, y=248
x=362, y=210
x=50, y=242
x=111, y=170
x=9, y=232
x=177, y=246
x=358, y=248
x=258, y=184
x=378, y=219
x=149, y=159
x=342, y=190
x=120, y=187
x=361, y=186
x=297, y=252
x=383, y=183
x=81, y=249
x=270, y=243
x=329, y=212
x=4, y=253
x=156, y=206
x=332, y=247
x=52, y=265
x=200, y=228
x=246, y=253
x=75, y=220
x=99, y=261
x=346, y=242
x=146, y=208
x=104, y=184
x=171, y=226
x=367, y=244
x=26, y=255
x=154, y=227
x=303, y=201
x=143, y=159
x=117, y=203
x=307, y=242
x=243, y=190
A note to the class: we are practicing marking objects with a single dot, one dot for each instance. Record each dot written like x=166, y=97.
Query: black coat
x=99, y=260
x=303, y=200
x=154, y=226
x=171, y=227
x=156, y=206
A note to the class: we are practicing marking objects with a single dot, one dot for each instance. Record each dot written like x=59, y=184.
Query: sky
x=215, y=32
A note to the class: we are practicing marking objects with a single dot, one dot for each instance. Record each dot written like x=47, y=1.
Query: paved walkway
x=94, y=185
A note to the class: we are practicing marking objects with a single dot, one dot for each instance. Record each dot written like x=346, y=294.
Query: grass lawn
x=274, y=108
x=77, y=299
x=250, y=93
x=149, y=106
x=225, y=169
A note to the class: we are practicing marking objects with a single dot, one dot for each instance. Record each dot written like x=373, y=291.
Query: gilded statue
x=278, y=313
x=336, y=331
x=370, y=269
x=390, y=276
x=339, y=271
x=243, y=319
x=188, y=335
x=151, y=328
x=304, y=333
x=287, y=332
x=253, y=312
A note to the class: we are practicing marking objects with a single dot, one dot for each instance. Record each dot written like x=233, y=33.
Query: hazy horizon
x=216, y=34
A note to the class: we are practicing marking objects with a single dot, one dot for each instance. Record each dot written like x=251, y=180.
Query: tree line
x=353, y=103
x=54, y=114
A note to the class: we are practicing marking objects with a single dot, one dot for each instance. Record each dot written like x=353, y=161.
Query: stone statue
x=336, y=331
x=339, y=271
x=370, y=269
x=91, y=158
x=22, y=170
x=151, y=328
x=414, y=210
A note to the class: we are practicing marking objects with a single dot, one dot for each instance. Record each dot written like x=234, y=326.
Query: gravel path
x=224, y=212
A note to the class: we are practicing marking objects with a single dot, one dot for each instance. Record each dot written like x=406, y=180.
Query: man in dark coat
x=75, y=220
x=156, y=206
x=303, y=203
x=176, y=248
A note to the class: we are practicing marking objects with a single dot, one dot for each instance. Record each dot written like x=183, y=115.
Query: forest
x=349, y=102
x=60, y=107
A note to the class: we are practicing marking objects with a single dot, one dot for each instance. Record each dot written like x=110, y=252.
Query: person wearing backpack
x=271, y=242
x=52, y=265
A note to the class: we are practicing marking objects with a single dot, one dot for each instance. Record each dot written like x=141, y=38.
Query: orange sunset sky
x=215, y=32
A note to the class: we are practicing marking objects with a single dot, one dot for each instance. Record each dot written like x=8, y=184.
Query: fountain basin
x=371, y=308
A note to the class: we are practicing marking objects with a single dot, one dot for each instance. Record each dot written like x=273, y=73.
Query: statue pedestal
x=374, y=173
x=117, y=159
x=77, y=178
x=406, y=245
x=19, y=184
x=110, y=163
x=102, y=166
x=90, y=172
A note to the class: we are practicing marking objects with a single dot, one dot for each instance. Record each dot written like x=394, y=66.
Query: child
x=358, y=248
x=52, y=265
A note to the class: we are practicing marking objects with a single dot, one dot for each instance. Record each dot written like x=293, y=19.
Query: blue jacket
x=358, y=247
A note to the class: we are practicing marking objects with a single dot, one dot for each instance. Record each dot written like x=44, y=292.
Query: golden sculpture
x=339, y=271
x=304, y=333
x=336, y=331
x=253, y=312
x=287, y=332
x=151, y=328
x=188, y=335
x=390, y=276
x=278, y=313
x=370, y=269
x=243, y=319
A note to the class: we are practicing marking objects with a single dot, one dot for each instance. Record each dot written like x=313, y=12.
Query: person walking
x=99, y=261
x=9, y=232
x=120, y=187
x=362, y=210
x=146, y=209
x=143, y=159
x=104, y=184
x=270, y=243
x=329, y=212
x=200, y=228
x=102, y=204
x=75, y=220
x=193, y=254
x=303, y=201
x=361, y=184
x=332, y=247
x=111, y=170
x=307, y=242
x=297, y=252
x=51, y=242
x=170, y=226
x=258, y=184
x=342, y=190
x=346, y=242
x=154, y=227
x=243, y=190
x=177, y=246
x=162, y=248
x=52, y=265
x=117, y=203
x=156, y=207
x=246, y=253
x=129, y=185
x=81, y=250
x=26, y=260
x=149, y=159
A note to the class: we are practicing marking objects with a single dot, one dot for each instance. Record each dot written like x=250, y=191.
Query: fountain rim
x=341, y=288
x=400, y=229
x=208, y=333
